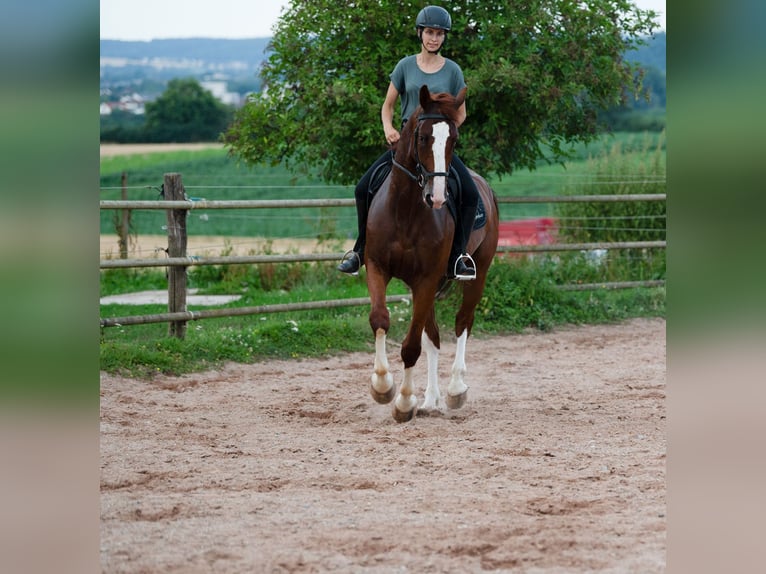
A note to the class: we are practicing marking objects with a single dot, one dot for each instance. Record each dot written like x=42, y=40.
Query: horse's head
x=432, y=133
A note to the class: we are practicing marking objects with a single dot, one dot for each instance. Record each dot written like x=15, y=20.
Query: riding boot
x=461, y=265
x=352, y=262
x=354, y=259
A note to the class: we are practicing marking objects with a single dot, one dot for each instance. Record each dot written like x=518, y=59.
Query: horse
x=409, y=236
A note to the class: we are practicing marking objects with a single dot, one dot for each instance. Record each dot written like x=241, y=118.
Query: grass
x=521, y=293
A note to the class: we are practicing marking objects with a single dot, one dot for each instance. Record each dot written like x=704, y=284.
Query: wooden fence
x=177, y=206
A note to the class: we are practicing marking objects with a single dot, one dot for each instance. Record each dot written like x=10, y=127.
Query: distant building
x=219, y=90
x=133, y=103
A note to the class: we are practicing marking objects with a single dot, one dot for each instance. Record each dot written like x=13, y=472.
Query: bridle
x=422, y=175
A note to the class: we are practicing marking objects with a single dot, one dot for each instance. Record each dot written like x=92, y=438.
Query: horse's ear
x=460, y=97
x=425, y=96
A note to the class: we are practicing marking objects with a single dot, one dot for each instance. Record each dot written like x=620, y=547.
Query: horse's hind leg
x=457, y=390
x=430, y=342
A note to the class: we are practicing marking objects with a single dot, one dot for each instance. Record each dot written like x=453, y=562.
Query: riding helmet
x=434, y=17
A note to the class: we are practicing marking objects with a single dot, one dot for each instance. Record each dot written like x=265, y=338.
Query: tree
x=537, y=73
x=185, y=112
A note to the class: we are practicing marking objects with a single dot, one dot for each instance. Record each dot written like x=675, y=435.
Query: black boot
x=352, y=260
x=351, y=263
x=461, y=267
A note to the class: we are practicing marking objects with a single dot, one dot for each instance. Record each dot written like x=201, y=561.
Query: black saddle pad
x=455, y=191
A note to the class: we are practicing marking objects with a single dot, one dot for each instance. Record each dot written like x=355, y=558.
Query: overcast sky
x=154, y=19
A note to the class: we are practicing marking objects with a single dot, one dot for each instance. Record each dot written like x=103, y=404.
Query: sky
x=160, y=19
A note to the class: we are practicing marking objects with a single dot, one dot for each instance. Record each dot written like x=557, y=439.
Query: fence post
x=174, y=191
x=124, y=225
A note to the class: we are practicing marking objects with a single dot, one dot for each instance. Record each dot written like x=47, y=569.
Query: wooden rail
x=178, y=205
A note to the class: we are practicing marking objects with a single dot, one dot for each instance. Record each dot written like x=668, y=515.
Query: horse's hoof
x=456, y=401
x=401, y=417
x=383, y=398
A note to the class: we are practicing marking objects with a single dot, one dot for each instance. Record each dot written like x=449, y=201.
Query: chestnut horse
x=409, y=236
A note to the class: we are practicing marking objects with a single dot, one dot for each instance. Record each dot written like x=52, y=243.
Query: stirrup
x=348, y=258
x=469, y=263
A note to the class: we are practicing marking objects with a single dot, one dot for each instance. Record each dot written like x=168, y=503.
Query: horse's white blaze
x=382, y=379
x=456, y=384
x=440, y=133
x=433, y=398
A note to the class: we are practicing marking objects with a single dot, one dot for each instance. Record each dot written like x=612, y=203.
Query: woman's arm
x=387, y=114
x=461, y=115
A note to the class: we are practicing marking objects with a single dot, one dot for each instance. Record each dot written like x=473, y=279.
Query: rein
x=422, y=176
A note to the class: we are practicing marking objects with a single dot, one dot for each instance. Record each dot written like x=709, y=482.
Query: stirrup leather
x=470, y=263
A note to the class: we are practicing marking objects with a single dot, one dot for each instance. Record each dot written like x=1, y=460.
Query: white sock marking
x=456, y=384
x=433, y=397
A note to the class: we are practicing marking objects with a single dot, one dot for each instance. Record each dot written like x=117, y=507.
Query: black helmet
x=434, y=17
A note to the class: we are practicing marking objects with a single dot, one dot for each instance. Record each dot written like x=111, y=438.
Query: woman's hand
x=392, y=135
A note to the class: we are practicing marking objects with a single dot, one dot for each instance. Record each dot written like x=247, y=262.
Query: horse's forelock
x=442, y=103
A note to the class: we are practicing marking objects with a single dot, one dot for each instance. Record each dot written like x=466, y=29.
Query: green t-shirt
x=407, y=78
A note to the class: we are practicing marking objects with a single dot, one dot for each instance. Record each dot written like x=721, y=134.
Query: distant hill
x=148, y=66
x=653, y=55
x=214, y=51
x=249, y=54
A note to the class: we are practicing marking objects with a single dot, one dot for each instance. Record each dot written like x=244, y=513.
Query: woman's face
x=432, y=38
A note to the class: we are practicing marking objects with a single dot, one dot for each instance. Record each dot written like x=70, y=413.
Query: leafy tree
x=185, y=112
x=640, y=114
x=122, y=127
x=537, y=73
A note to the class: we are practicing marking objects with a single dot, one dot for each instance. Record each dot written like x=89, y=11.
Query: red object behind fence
x=537, y=231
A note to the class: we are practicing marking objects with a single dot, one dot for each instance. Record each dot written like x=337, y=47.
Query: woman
x=440, y=74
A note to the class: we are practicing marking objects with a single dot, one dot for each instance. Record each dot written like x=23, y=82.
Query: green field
x=211, y=174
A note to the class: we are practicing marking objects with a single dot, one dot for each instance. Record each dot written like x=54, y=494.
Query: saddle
x=455, y=190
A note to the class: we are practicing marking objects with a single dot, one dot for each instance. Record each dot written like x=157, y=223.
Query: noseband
x=423, y=175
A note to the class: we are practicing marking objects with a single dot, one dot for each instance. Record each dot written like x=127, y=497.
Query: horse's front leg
x=382, y=386
x=405, y=404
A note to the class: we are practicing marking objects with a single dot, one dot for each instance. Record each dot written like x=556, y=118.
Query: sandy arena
x=555, y=464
